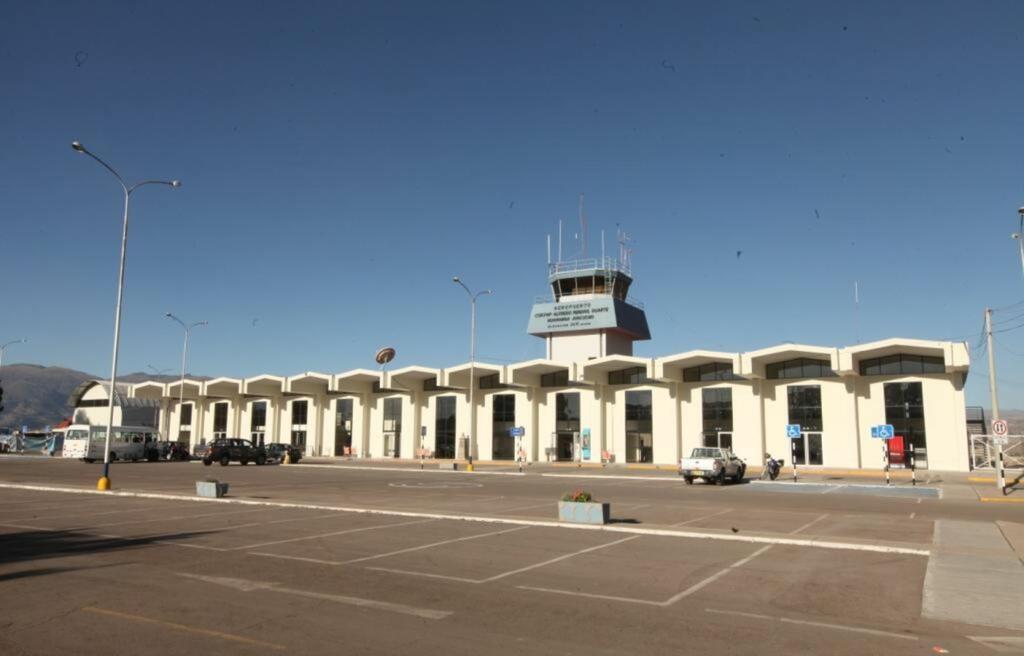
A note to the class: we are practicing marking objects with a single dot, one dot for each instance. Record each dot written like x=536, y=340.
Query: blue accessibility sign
x=883, y=432
x=793, y=431
x=516, y=431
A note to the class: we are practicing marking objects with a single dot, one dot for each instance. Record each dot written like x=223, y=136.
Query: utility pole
x=1000, y=478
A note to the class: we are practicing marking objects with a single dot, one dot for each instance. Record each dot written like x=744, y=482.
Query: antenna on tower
x=856, y=312
x=559, y=240
x=549, y=250
x=602, y=246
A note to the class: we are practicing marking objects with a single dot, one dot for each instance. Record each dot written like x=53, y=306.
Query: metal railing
x=589, y=264
x=983, y=452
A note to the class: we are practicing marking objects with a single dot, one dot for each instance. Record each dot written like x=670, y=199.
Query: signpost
x=884, y=432
x=517, y=432
x=794, y=433
x=1000, y=429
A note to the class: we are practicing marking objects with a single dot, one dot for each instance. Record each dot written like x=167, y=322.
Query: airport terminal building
x=591, y=400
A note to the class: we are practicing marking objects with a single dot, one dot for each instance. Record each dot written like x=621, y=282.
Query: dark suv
x=276, y=451
x=226, y=449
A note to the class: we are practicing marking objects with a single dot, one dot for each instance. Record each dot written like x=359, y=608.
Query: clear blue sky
x=341, y=161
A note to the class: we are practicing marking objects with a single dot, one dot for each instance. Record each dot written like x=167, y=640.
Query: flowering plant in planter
x=578, y=496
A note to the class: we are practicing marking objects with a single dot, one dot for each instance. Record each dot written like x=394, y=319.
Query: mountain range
x=37, y=396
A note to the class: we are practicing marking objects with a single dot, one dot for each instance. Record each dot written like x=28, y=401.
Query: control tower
x=589, y=313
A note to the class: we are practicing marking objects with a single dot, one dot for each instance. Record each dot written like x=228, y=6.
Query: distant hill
x=37, y=396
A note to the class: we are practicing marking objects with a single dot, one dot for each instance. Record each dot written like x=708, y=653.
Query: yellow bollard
x=469, y=466
x=103, y=484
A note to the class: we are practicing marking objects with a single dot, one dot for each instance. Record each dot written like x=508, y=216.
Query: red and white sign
x=1000, y=427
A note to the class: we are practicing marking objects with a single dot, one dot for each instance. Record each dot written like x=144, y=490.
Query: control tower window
x=630, y=376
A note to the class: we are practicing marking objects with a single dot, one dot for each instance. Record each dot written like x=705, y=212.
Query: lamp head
x=1015, y=235
x=455, y=279
x=168, y=315
x=175, y=183
x=78, y=146
x=1020, y=210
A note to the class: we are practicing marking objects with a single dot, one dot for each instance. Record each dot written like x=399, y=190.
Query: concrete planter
x=584, y=512
x=211, y=489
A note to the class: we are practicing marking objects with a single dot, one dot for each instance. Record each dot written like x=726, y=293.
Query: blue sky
x=343, y=160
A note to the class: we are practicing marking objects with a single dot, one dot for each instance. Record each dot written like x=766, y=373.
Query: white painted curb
x=752, y=539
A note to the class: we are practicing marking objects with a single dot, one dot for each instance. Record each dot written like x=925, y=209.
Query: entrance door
x=807, y=449
x=392, y=445
x=564, y=447
x=718, y=439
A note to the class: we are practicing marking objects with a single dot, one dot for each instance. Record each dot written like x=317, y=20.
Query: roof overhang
x=408, y=378
x=596, y=370
x=355, y=381
x=955, y=355
x=222, y=387
x=458, y=376
x=528, y=373
x=753, y=364
x=192, y=388
x=149, y=389
x=263, y=385
x=308, y=383
x=671, y=367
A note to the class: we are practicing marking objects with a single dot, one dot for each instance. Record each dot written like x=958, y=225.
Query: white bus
x=127, y=443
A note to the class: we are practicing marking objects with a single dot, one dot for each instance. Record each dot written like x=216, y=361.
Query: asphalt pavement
x=337, y=557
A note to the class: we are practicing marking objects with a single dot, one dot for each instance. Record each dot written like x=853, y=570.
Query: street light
x=1019, y=236
x=3, y=347
x=472, y=366
x=158, y=372
x=184, y=356
x=104, y=482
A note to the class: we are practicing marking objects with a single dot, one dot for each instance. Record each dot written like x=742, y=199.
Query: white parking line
x=432, y=544
x=333, y=533
x=817, y=543
x=698, y=519
x=824, y=625
x=557, y=559
x=164, y=519
x=809, y=524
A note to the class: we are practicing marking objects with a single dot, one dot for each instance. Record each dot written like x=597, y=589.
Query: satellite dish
x=385, y=355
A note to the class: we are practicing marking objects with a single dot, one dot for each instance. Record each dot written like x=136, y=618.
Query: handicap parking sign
x=793, y=431
x=883, y=432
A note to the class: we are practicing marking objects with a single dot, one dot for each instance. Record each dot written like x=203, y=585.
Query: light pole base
x=103, y=484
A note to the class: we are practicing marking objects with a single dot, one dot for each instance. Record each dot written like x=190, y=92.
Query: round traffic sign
x=1000, y=427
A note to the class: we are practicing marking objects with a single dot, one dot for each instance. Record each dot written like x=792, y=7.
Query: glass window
x=259, y=416
x=639, y=432
x=492, y=381
x=555, y=379
x=903, y=364
x=300, y=412
x=393, y=414
x=220, y=418
x=805, y=406
x=711, y=371
x=800, y=368
x=430, y=385
x=186, y=417
x=503, y=418
x=630, y=376
x=444, y=427
x=717, y=415
x=567, y=407
x=342, y=426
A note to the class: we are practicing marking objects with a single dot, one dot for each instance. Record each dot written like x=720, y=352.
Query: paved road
x=739, y=569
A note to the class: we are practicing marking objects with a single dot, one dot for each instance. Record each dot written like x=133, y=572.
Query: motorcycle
x=772, y=467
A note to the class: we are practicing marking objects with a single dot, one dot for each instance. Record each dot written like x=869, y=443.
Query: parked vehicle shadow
x=31, y=545
x=45, y=571
x=623, y=520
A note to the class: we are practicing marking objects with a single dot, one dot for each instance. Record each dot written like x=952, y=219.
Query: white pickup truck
x=712, y=464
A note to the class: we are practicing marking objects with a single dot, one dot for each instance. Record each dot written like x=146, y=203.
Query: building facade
x=592, y=401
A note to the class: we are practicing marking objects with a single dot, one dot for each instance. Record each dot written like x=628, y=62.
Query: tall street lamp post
x=472, y=368
x=1019, y=236
x=3, y=347
x=184, y=358
x=104, y=482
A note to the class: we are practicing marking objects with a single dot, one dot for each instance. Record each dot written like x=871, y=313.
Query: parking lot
x=432, y=563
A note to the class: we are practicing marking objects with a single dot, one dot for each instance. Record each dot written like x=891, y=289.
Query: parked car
x=200, y=450
x=276, y=451
x=712, y=464
x=226, y=449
